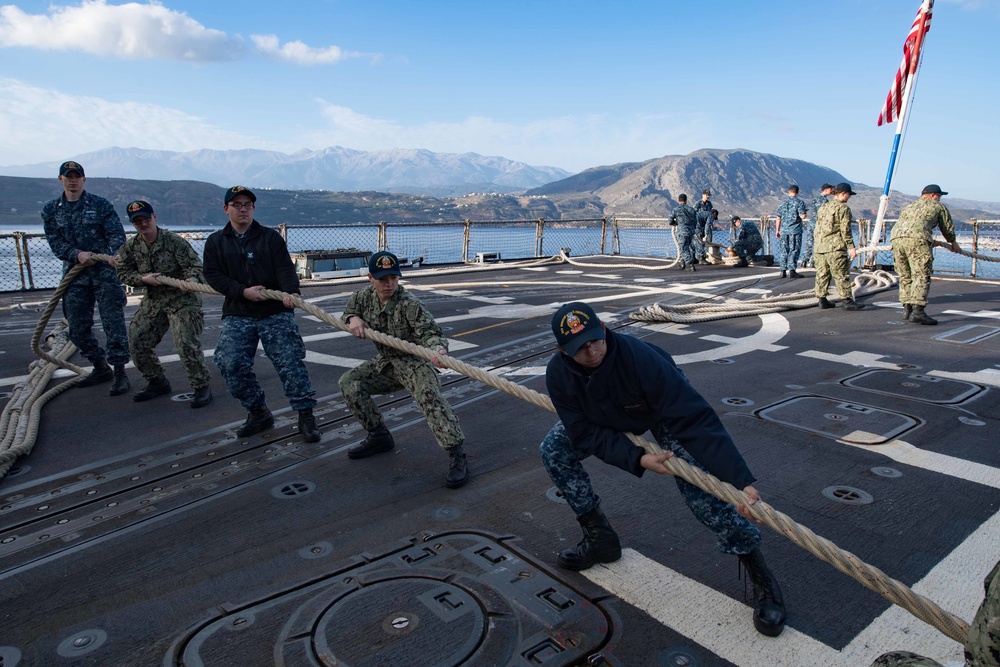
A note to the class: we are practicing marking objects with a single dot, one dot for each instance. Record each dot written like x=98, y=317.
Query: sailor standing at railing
x=703, y=230
x=686, y=221
x=790, y=215
x=78, y=225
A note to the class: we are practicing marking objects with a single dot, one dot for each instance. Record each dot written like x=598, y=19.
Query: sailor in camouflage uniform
x=686, y=220
x=747, y=241
x=913, y=250
x=835, y=248
x=604, y=385
x=789, y=216
x=810, y=224
x=241, y=261
x=982, y=647
x=151, y=253
x=385, y=306
x=703, y=229
x=77, y=225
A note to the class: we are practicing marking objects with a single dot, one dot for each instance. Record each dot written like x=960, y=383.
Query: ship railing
x=27, y=263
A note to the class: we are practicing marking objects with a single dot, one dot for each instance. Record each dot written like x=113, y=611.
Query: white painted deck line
x=990, y=376
x=904, y=452
x=852, y=359
x=774, y=327
x=725, y=626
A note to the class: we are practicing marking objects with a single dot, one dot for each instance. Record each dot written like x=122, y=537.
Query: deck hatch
x=968, y=334
x=455, y=599
x=840, y=420
x=914, y=386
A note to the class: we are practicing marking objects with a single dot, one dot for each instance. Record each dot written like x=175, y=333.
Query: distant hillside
x=742, y=182
x=334, y=168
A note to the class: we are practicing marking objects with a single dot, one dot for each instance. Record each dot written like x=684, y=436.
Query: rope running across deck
x=869, y=576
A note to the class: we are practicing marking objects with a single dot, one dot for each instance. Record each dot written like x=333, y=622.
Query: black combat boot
x=683, y=265
x=824, y=303
x=458, y=468
x=155, y=387
x=692, y=267
x=793, y=274
x=307, y=426
x=100, y=373
x=907, y=310
x=202, y=396
x=258, y=419
x=121, y=383
x=851, y=304
x=741, y=264
x=769, y=606
x=599, y=544
x=784, y=274
x=377, y=442
x=920, y=317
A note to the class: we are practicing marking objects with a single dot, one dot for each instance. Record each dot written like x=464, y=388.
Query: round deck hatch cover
x=401, y=622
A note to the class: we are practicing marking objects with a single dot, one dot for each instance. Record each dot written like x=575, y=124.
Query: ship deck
x=149, y=534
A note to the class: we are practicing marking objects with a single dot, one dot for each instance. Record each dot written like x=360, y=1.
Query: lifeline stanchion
x=869, y=576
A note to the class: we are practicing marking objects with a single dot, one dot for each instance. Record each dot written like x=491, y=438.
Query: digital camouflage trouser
x=382, y=376
x=745, y=250
x=97, y=284
x=734, y=534
x=914, y=261
x=838, y=265
x=685, y=243
x=147, y=328
x=791, y=245
x=234, y=355
x=807, y=241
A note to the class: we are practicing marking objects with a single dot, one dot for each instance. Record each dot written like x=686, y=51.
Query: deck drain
x=14, y=472
x=292, y=489
x=446, y=513
x=9, y=656
x=969, y=421
x=317, y=550
x=737, y=400
x=830, y=333
x=6, y=394
x=555, y=495
x=722, y=361
x=183, y=397
x=678, y=657
x=882, y=471
x=848, y=495
x=82, y=643
x=908, y=366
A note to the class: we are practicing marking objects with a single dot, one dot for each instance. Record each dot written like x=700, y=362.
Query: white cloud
x=134, y=31
x=38, y=124
x=300, y=53
x=570, y=142
x=131, y=31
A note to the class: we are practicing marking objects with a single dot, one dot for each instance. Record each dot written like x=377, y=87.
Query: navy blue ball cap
x=844, y=187
x=932, y=189
x=239, y=190
x=574, y=324
x=69, y=167
x=139, y=209
x=383, y=264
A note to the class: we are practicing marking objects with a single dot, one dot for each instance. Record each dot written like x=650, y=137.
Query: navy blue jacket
x=635, y=387
x=260, y=258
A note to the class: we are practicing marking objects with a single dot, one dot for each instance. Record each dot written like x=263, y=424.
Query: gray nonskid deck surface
x=146, y=534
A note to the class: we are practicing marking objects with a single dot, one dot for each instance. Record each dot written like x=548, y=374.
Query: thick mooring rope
x=869, y=576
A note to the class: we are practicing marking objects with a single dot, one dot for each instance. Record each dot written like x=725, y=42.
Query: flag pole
x=917, y=55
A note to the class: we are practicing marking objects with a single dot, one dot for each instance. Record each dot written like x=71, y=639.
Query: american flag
x=908, y=68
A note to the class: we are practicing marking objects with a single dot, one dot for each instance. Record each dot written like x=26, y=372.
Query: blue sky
x=570, y=84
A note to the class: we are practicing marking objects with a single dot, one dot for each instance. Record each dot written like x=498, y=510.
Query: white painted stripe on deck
x=774, y=327
x=855, y=358
x=332, y=360
x=724, y=626
x=990, y=314
x=990, y=376
x=672, y=328
x=904, y=452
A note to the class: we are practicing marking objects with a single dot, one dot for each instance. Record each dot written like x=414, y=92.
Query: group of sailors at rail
x=603, y=384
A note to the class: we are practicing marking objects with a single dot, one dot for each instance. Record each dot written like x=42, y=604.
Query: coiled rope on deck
x=869, y=576
x=864, y=284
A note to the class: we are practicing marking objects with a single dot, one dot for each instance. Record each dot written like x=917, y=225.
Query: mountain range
x=410, y=171
x=742, y=182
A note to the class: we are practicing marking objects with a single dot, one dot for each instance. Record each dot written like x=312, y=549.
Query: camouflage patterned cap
x=70, y=166
x=239, y=190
